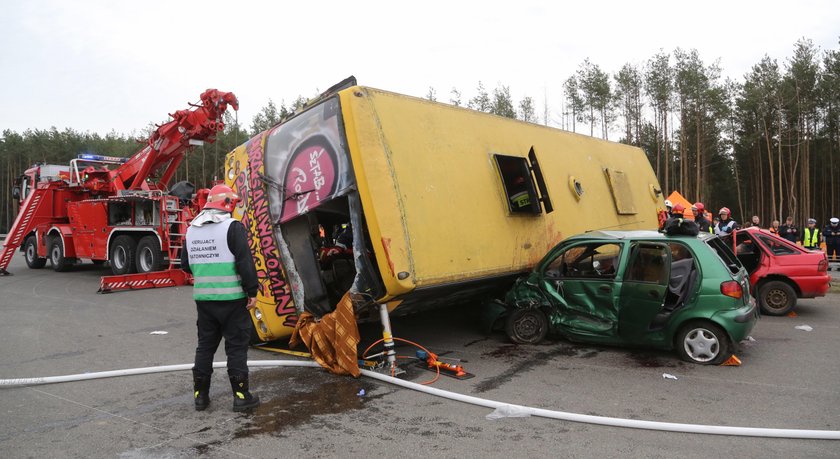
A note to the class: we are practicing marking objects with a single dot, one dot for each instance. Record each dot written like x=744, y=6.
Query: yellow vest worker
x=811, y=235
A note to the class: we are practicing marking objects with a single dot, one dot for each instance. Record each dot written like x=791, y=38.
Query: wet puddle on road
x=653, y=360
x=527, y=358
x=299, y=395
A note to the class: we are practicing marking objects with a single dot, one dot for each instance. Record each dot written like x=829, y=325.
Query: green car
x=637, y=288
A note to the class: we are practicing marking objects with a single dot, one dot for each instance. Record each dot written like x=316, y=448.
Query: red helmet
x=678, y=208
x=700, y=207
x=221, y=197
x=724, y=210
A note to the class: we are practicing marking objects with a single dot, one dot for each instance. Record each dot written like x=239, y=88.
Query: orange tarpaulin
x=676, y=197
x=332, y=340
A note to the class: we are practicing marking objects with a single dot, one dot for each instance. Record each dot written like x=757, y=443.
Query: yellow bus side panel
x=431, y=188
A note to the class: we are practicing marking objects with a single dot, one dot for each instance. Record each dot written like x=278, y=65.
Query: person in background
x=789, y=231
x=811, y=235
x=700, y=218
x=774, y=227
x=725, y=225
x=831, y=233
x=218, y=255
x=756, y=222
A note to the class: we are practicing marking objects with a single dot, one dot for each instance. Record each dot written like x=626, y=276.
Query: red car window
x=777, y=246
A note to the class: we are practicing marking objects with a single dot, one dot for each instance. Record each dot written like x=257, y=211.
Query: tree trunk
x=699, y=165
x=781, y=193
x=667, y=157
x=772, y=181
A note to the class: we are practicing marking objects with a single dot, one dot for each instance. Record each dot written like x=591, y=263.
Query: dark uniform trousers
x=228, y=319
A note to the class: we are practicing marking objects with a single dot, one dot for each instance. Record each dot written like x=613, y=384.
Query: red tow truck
x=105, y=208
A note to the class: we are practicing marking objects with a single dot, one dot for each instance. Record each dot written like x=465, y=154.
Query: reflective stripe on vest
x=212, y=263
x=811, y=240
x=725, y=228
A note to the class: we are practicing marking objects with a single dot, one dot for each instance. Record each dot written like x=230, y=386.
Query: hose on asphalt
x=519, y=409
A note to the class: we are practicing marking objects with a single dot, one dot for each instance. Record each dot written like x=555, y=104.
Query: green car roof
x=633, y=235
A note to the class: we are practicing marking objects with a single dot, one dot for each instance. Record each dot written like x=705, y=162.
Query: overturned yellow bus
x=414, y=204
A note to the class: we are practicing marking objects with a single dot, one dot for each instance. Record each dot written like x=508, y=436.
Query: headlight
x=257, y=313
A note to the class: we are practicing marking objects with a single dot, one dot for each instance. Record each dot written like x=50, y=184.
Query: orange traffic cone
x=733, y=361
x=792, y=314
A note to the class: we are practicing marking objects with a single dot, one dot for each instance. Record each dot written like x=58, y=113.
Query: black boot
x=242, y=398
x=201, y=386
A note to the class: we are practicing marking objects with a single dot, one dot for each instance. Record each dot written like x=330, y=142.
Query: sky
x=103, y=66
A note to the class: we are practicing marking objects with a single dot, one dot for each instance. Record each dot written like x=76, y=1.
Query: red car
x=780, y=271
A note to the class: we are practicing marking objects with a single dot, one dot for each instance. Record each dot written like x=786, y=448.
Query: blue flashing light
x=110, y=159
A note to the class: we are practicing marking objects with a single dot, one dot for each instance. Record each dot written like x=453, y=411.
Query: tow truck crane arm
x=150, y=169
x=168, y=144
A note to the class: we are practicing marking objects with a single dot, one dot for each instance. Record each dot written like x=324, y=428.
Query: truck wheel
x=149, y=256
x=30, y=251
x=704, y=343
x=526, y=326
x=123, y=252
x=59, y=263
x=776, y=298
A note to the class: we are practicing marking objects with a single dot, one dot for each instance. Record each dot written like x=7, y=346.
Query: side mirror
x=16, y=193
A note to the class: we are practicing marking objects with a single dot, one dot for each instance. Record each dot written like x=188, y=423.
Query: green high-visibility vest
x=212, y=263
x=811, y=240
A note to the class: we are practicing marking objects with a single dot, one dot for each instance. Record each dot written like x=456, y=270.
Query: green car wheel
x=703, y=342
x=527, y=326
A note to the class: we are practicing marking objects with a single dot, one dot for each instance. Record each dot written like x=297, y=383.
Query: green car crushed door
x=637, y=288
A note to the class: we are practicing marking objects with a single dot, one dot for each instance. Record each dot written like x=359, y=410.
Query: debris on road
x=159, y=332
x=669, y=376
x=804, y=327
x=508, y=411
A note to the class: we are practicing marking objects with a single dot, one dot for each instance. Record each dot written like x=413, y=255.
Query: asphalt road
x=55, y=324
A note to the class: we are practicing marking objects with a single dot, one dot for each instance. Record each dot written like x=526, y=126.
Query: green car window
x=587, y=261
x=648, y=264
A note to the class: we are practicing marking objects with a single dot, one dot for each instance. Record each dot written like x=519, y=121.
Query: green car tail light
x=732, y=289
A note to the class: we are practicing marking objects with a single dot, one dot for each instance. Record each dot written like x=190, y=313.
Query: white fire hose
x=519, y=409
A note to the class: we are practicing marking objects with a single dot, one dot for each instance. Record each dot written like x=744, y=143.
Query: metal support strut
x=387, y=337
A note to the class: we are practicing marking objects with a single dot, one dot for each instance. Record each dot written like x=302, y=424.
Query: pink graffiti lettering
x=259, y=225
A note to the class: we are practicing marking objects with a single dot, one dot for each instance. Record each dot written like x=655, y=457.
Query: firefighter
x=789, y=231
x=811, y=235
x=225, y=289
x=344, y=236
x=831, y=233
x=668, y=207
x=676, y=224
x=700, y=218
x=725, y=225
